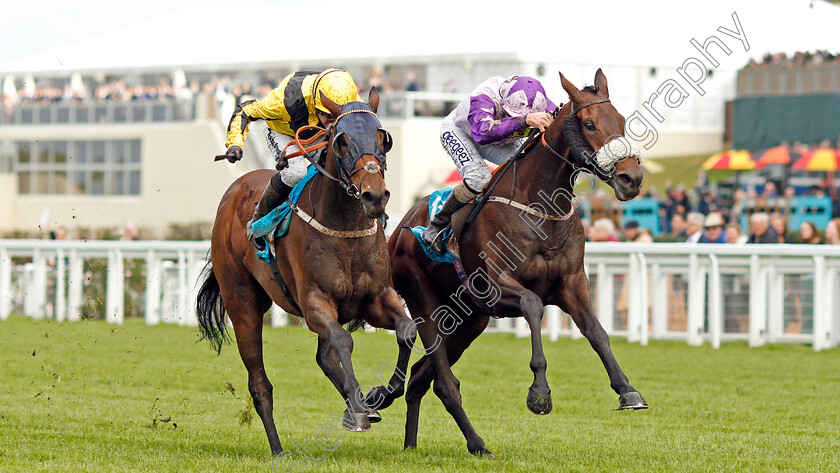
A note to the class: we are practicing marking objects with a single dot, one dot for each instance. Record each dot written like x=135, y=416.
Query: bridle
x=576, y=110
x=605, y=156
x=574, y=114
x=330, y=134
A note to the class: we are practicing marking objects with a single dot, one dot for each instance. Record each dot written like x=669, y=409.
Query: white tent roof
x=609, y=32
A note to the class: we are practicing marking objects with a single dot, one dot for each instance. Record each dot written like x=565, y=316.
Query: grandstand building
x=122, y=128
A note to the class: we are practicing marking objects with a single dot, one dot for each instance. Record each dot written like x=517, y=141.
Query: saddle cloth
x=277, y=221
x=436, y=200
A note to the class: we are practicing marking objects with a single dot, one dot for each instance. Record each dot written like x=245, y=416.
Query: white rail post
x=835, y=310
x=153, y=282
x=194, y=266
x=775, y=304
x=605, y=298
x=715, y=303
x=521, y=329
x=758, y=302
x=660, y=302
x=181, y=308
x=632, y=287
x=5, y=284
x=75, y=287
x=696, y=301
x=115, y=296
x=39, y=285
x=823, y=304
x=60, y=287
x=504, y=325
x=279, y=317
x=643, y=299
x=552, y=319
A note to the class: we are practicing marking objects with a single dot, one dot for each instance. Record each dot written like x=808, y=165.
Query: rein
x=486, y=197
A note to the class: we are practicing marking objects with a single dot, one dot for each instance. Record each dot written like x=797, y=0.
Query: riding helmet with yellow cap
x=336, y=85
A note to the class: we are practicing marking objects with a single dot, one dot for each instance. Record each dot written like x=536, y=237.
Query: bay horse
x=334, y=266
x=523, y=251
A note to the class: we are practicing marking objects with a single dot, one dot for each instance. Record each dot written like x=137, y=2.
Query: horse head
x=357, y=149
x=594, y=124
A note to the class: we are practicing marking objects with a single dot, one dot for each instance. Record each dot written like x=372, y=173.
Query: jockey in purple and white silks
x=489, y=125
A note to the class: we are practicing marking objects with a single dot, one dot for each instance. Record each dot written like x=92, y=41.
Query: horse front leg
x=388, y=313
x=520, y=299
x=575, y=301
x=322, y=318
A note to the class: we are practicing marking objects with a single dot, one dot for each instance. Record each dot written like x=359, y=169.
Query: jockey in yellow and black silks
x=295, y=103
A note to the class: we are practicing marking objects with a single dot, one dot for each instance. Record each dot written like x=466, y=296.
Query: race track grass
x=89, y=396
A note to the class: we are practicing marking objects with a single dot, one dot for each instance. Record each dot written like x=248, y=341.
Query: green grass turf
x=85, y=396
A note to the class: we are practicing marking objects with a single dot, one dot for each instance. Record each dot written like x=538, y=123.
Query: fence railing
x=697, y=293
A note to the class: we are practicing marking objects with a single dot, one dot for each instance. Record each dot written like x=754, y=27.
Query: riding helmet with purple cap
x=523, y=95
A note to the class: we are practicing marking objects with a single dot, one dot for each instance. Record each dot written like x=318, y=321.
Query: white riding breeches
x=469, y=156
x=296, y=169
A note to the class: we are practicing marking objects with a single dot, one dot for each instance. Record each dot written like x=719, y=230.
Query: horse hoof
x=355, y=422
x=373, y=416
x=379, y=397
x=483, y=453
x=631, y=400
x=538, y=403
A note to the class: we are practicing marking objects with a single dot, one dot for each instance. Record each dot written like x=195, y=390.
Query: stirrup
x=437, y=244
x=258, y=242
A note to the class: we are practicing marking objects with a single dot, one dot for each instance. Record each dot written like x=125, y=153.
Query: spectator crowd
x=798, y=59
x=700, y=215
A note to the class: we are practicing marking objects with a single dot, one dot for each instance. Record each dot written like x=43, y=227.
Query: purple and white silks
x=482, y=126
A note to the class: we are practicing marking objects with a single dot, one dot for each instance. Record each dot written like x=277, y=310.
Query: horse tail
x=211, y=311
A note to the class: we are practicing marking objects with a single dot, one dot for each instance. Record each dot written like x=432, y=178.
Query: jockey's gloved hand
x=234, y=153
x=539, y=120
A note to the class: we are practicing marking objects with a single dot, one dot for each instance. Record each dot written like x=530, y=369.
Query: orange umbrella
x=776, y=155
x=733, y=160
x=820, y=159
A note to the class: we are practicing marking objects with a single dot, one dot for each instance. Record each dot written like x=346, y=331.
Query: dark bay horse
x=335, y=268
x=523, y=251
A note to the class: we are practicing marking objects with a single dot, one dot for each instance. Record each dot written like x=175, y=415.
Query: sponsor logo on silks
x=454, y=148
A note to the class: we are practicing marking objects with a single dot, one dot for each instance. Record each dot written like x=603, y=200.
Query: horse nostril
x=367, y=197
x=624, y=180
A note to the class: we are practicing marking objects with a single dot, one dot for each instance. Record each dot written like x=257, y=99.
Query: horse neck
x=335, y=208
x=540, y=175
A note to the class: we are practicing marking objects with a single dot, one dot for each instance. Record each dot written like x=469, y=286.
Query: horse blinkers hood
x=357, y=123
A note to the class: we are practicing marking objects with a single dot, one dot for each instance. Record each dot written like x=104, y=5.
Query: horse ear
x=574, y=92
x=601, y=82
x=373, y=99
x=334, y=108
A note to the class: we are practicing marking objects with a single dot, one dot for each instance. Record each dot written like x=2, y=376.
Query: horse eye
x=589, y=125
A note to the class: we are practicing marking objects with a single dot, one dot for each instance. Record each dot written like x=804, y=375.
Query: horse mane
x=592, y=89
x=579, y=149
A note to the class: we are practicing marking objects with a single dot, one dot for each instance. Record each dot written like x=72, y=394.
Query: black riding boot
x=274, y=194
x=441, y=221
